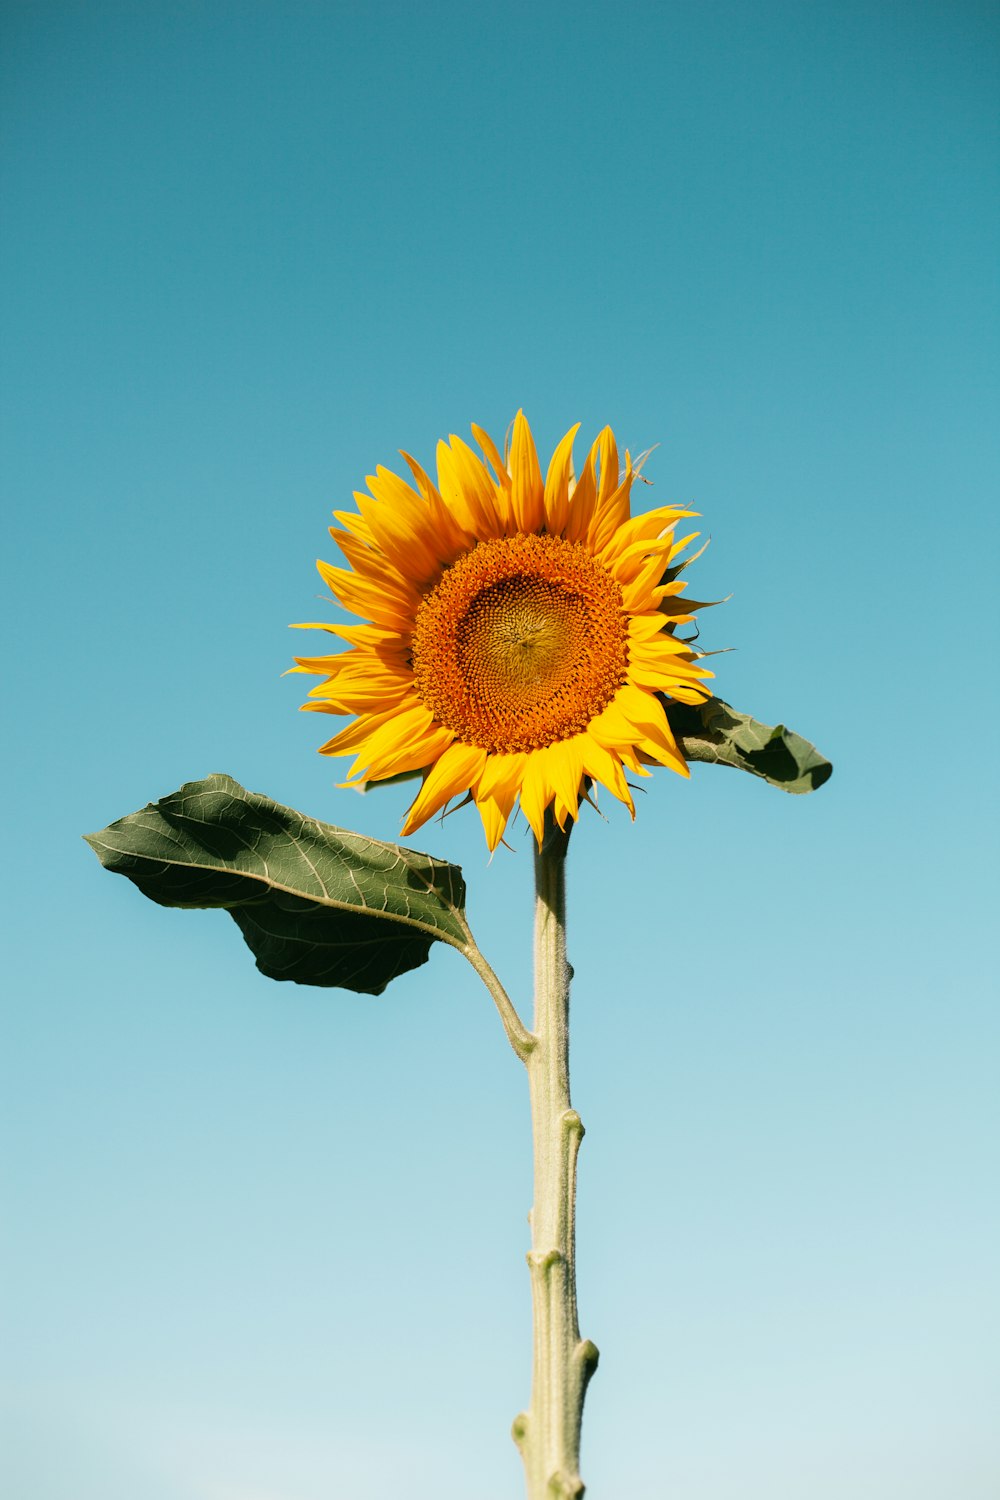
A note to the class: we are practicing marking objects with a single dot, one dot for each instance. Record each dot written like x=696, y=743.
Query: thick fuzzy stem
x=548, y=1433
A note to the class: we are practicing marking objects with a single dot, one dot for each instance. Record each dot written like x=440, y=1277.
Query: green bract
x=720, y=735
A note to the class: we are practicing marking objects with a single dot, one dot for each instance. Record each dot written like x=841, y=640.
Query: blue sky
x=266, y=1243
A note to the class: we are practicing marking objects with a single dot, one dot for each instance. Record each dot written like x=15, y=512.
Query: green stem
x=548, y=1433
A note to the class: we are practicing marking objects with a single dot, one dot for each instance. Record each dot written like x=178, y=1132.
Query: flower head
x=518, y=631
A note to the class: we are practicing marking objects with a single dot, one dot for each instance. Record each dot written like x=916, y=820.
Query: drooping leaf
x=716, y=733
x=315, y=904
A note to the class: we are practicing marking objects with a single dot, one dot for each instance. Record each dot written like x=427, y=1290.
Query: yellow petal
x=353, y=735
x=494, y=822
x=658, y=648
x=454, y=539
x=650, y=719
x=367, y=560
x=651, y=525
x=359, y=635
x=492, y=456
x=527, y=491
x=557, y=484
x=416, y=753
x=645, y=590
x=582, y=500
x=536, y=792
x=501, y=777
x=402, y=729
x=610, y=513
x=467, y=505
x=630, y=563
x=665, y=676
x=678, y=547
x=363, y=697
x=494, y=499
x=694, y=555
x=644, y=627
x=402, y=526
x=453, y=773
x=496, y=792
x=356, y=524
x=689, y=693
x=603, y=766
x=399, y=600
x=566, y=770
x=634, y=720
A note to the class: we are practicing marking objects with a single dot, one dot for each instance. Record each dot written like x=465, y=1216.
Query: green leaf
x=315, y=904
x=714, y=732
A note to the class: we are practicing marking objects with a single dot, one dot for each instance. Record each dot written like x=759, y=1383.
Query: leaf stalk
x=518, y=1035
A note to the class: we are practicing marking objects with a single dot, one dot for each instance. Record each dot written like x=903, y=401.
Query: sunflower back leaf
x=315, y=904
x=714, y=732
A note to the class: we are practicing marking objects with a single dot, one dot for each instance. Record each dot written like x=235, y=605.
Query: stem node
x=565, y=1487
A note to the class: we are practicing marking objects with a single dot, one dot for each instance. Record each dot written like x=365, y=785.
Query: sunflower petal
x=454, y=772
x=411, y=755
x=527, y=490
x=537, y=791
x=583, y=500
x=496, y=792
x=557, y=484
x=403, y=729
x=603, y=766
x=362, y=596
x=492, y=455
x=612, y=511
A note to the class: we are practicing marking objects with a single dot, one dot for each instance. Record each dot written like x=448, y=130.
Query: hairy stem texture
x=548, y=1433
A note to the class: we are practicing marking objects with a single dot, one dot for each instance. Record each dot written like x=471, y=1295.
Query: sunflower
x=518, y=631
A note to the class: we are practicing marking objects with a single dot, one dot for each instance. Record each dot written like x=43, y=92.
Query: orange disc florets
x=522, y=642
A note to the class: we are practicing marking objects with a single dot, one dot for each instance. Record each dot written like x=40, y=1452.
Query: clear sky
x=266, y=1242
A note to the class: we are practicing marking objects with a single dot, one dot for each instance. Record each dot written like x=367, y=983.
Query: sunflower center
x=522, y=643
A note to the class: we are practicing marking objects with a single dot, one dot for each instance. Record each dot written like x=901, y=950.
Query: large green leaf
x=722, y=735
x=315, y=904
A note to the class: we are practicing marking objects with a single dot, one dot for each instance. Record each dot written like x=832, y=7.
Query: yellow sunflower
x=519, y=631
